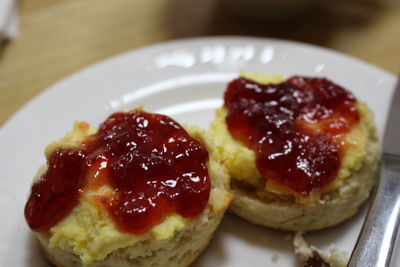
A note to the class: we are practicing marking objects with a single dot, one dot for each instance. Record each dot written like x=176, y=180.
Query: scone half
x=89, y=234
x=265, y=202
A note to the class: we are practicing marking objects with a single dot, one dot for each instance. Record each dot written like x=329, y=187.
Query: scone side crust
x=180, y=249
x=334, y=207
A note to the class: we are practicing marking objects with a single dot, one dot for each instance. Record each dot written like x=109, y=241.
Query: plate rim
x=209, y=39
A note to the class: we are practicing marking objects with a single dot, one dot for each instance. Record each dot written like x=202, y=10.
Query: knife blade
x=377, y=239
x=391, y=144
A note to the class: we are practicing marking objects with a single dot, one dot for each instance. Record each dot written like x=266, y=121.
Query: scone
x=302, y=153
x=139, y=191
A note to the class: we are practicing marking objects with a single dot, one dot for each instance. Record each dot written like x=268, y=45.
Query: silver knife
x=374, y=247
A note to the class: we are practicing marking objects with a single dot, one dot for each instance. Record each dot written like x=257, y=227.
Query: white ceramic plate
x=184, y=79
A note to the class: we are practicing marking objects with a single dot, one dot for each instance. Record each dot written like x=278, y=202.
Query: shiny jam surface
x=292, y=127
x=152, y=164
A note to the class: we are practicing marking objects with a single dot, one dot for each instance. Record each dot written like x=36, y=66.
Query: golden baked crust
x=179, y=250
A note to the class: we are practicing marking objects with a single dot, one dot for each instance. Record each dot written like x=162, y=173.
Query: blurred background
x=58, y=37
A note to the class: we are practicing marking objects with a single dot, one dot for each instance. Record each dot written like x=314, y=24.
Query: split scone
x=302, y=153
x=139, y=191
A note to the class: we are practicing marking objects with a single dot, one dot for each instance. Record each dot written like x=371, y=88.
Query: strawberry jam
x=292, y=127
x=152, y=165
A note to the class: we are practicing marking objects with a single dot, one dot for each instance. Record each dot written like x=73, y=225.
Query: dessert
x=139, y=191
x=310, y=256
x=302, y=153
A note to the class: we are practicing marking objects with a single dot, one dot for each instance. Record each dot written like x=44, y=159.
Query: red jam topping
x=292, y=127
x=152, y=164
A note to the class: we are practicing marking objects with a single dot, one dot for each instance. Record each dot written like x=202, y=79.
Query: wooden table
x=59, y=37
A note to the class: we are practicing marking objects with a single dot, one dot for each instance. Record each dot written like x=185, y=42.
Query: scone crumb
x=309, y=255
x=275, y=257
x=338, y=257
